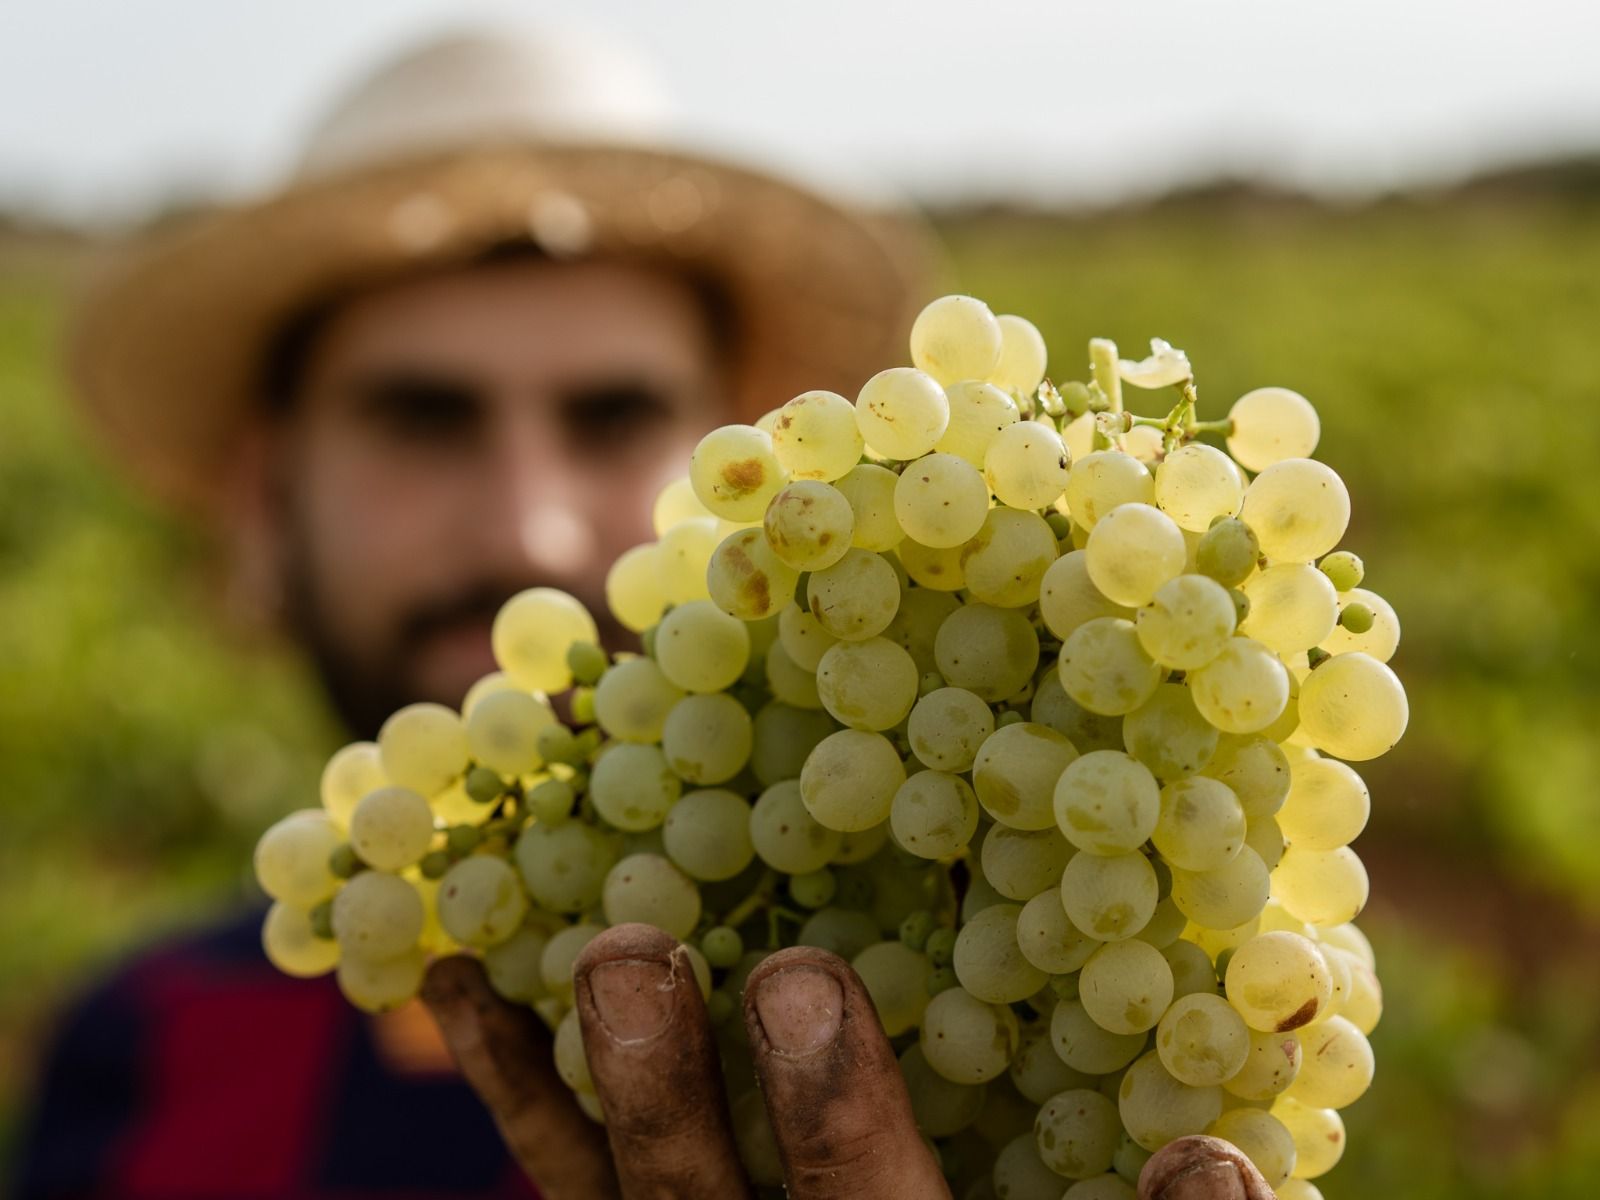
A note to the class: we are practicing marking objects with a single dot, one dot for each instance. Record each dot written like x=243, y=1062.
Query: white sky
x=107, y=106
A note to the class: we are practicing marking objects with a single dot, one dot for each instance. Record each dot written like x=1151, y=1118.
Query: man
x=454, y=360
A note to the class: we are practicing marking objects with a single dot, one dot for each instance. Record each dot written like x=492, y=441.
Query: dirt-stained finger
x=1201, y=1168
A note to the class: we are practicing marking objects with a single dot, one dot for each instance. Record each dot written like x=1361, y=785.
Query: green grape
x=1105, y=480
x=1292, y=607
x=1026, y=465
x=530, y=637
x=564, y=866
x=869, y=684
x=894, y=975
x=968, y=1040
x=686, y=551
x=1279, y=981
x=1327, y=806
x=293, y=946
x=1202, y=1041
x=1321, y=887
x=701, y=649
x=1353, y=707
x=1048, y=939
x=934, y=814
x=850, y=778
x=941, y=1108
x=1020, y=1174
x=902, y=412
x=991, y=652
x=1132, y=550
x=1195, y=484
x=870, y=489
x=786, y=836
x=707, y=738
x=735, y=472
x=1157, y=1109
x=1187, y=623
x=746, y=579
x=916, y=625
x=391, y=828
x=721, y=946
x=815, y=436
x=1019, y=863
x=813, y=889
x=1202, y=825
x=1380, y=640
x=1262, y=1138
x=845, y=932
x=648, y=888
x=947, y=726
x=954, y=338
x=1077, y=1133
x=480, y=901
x=1109, y=897
x=633, y=699
x=1269, y=425
x=513, y=965
x=1227, y=552
x=1356, y=617
x=1226, y=897
x=1298, y=509
x=783, y=736
x=940, y=501
x=856, y=598
x=787, y=682
x=1015, y=771
x=1243, y=689
x=978, y=411
x=1037, y=1070
x=1105, y=1187
x=1343, y=569
x=1192, y=970
x=1166, y=924
x=561, y=954
x=380, y=985
x=632, y=786
x=292, y=857
x=1106, y=802
x=706, y=834
x=1318, y=1135
x=424, y=746
x=1105, y=669
x=635, y=587
x=941, y=946
x=1084, y=729
x=988, y=960
x=570, y=1062
x=503, y=732
x=1021, y=365
x=1068, y=598
x=1006, y=560
x=809, y=525
x=932, y=569
x=803, y=638
x=916, y=928
x=1125, y=986
x=377, y=916
x=350, y=774
x=1273, y=1064
x=1085, y=1046
x=1168, y=735
x=1255, y=770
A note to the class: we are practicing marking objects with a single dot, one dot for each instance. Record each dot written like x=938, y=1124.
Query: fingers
x=833, y=1089
x=655, y=1067
x=504, y=1052
x=1201, y=1168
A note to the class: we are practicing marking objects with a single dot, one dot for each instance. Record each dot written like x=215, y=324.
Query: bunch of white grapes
x=1036, y=711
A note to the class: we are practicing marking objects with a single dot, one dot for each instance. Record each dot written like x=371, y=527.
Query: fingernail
x=1219, y=1180
x=633, y=997
x=800, y=1009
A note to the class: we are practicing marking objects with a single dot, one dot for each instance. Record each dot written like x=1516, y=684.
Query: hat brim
x=167, y=350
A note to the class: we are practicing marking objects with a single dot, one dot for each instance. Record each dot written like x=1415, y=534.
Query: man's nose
x=535, y=523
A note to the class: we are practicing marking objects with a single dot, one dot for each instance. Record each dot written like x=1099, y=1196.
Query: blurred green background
x=1449, y=342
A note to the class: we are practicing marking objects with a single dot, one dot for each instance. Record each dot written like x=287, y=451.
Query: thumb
x=1201, y=1168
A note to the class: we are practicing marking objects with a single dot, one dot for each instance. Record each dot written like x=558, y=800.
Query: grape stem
x=760, y=896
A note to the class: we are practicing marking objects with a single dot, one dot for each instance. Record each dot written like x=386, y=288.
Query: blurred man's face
x=466, y=435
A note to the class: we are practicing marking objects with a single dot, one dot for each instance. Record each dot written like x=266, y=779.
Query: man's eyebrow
x=385, y=381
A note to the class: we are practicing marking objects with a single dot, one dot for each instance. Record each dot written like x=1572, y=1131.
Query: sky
x=108, y=108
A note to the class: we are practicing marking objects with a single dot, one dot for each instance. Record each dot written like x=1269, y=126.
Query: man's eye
x=421, y=411
x=602, y=415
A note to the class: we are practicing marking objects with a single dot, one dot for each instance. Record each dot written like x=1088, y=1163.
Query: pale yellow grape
x=787, y=682
x=803, y=637
x=978, y=411
x=850, y=778
x=632, y=786
x=1168, y=735
x=1363, y=1005
x=1275, y=917
x=1023, y=356
x=1263, y=1140
x=1144, y=442
x=1338, y=1065
x=1077, y=435
x=1255, y=769
x=934, y=569
x=1077, y=1133
x=1106, y=802
x=895, y=977
x=815, y=436
x=674, y=504
x=785, y=834
x=746, y=579
x=1292, y=607
x=1353, y=707
x=1026, y=465
x=1271, y=424
x=1278, y=981
x=1349, y=937
x=568, y=1053
x=700, y=648
x=783, y=736
x=1380, y=641
x=707, y=834
x=991, y=652
x=1202, y=824
x=561, y=953
x=633, y=698
x=1132, y=551
x=735, y=472
x=1109, y=897
x=1187, y=622
x=1328, y=805
x=531, y=635
x=1125, y=986
x=1193, y=972
x=1101, y=1187
x=940, y=501
x=480, y=901
x=947, y=726
x=1195, y=484
x=513, y=964
x=1226, y=897
x=1015, y=773
x=292, y=947
x=956, y=337
x=941, y=1108
x=424, y=746
x=845, y=932
x=648, y=888
x=1165, y=926
x=1299, y=1189
x=708, y=738
x=990, y=963
x=635, y=587
x=1019, y=1173
x=870, y=490
x=1273, y=1063
x=503, y=732
x=1321, y=887
x=1243, y=689
x=380, y=985
x=809, y=525
x=856, y=598
x=1048, y=938
x=564, y=866
x=291, y=858
x=1105, y=669
x=902, y=413
x=1037, y=1070
x=965, y=1039
x=1085, y=1046
x=488, y=685
x=1105, y=480
x=1318, y=1136
x=934, y=814
x=1202, y=1041
x=916, y=624
x=376, y=916
x=392, y=827
x=1157, y=1109
x=1264, y=836
x=685, y=554
x=1006, y=560
x=1020, y=863
x=351, y=773
x=861, y=845
x=1068, y=598
x=1298, y=510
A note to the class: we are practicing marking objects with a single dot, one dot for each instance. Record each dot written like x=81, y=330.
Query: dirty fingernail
x=800, y=1009
x=632, y=997
x=1219, y=1180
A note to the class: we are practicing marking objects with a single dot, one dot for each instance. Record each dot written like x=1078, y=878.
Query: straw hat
x=459, y=146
